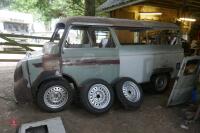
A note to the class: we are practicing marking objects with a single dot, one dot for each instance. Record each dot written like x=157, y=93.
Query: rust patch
x=90, y=62
x=49, y=62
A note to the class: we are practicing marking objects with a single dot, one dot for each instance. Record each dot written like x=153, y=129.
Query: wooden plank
x=9, y=60
x=194, y=1
x=14, y=42
x=175, y=4
x=25, y=36
x=12, y=52
x=14, y=49
x=161, y=4
x=30, y=45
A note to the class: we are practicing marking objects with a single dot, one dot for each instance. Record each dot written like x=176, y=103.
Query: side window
x=77, y=38
x=136, y=36
x=101, y=37
x=128, y=36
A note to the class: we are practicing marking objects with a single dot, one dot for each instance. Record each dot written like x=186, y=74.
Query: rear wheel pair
x=97, y=95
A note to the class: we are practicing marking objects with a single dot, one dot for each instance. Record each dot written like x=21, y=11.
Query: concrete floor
x=152, y=117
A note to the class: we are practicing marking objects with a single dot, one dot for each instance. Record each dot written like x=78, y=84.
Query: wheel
x=129, y=93
x=97, y=96
x=54, y=96
x=160, y=82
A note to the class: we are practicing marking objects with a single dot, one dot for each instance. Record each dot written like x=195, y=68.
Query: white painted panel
x=140, y=63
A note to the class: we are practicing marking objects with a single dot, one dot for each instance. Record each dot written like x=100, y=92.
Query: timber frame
x=11, y=41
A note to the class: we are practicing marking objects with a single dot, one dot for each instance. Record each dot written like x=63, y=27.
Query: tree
x=48, y=9
x=89, y=8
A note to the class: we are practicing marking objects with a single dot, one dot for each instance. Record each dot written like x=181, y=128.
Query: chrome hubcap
x=55, y=97
x=131, y=91
x=99, y=96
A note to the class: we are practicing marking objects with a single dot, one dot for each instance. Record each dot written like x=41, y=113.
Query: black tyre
x=129, y=93
x=160, y=82
x=97, y=96
x=55, y=95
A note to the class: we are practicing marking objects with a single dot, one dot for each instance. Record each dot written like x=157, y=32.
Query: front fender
x=43, y=77
x=22, y=90
x=162, y=70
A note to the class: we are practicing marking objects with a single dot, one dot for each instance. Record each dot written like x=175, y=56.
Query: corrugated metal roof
x=110, y=4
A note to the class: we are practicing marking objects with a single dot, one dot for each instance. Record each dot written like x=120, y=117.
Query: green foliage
x=48, y=9
x=24, y=5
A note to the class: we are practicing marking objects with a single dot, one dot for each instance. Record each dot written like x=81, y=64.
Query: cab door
x=84, y=56
x=185, y=82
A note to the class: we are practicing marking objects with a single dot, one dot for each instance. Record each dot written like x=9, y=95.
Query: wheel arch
x=163, y=70
x=158, y=76
x=50, y=78
x=44, y=81
x=71, y=80
x=65, y=76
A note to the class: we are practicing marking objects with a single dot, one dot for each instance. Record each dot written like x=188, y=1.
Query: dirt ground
x=152, y=117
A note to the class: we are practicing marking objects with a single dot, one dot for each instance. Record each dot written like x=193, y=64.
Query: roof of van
x=113, y=22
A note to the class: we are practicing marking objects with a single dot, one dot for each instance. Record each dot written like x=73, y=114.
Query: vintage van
x=93, y=57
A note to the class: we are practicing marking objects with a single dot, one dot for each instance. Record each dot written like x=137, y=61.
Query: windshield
x=58, y=33
x=134, y=36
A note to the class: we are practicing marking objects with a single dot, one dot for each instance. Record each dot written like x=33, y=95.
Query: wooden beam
x=9, y=60
x=180, y=3
x=25, y=36
x=16, y=43
x=174, y=5
x=194, y=1
x=30, y=45
x=12, y=52
x=164, y=5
